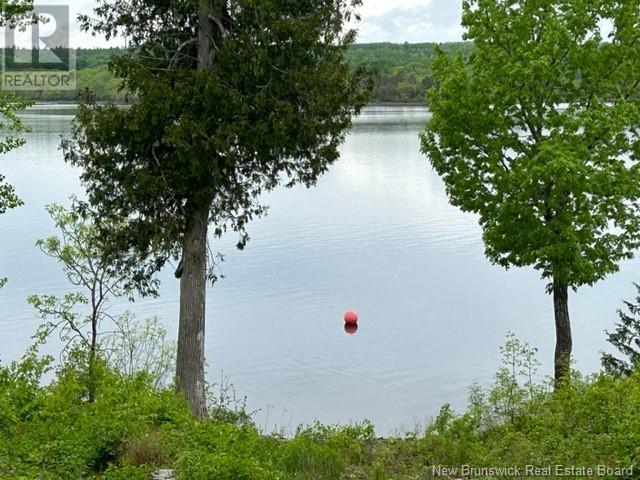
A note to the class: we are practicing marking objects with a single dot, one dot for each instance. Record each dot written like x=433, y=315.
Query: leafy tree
x=537, y=133
x=229, y=99
x=78, y=250
x=514, y=380
x=93, y=336
x=626, y=339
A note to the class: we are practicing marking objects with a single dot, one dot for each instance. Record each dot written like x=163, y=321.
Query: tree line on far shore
x=402, y=72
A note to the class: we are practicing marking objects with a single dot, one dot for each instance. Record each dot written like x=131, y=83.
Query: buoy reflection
x=351, y=328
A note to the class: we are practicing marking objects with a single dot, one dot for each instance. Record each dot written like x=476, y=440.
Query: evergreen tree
x=229, y=99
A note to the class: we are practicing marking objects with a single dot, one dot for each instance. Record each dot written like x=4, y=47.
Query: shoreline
x=398, y=104
x=371, y=104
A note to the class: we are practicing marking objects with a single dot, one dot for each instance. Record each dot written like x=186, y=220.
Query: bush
x=134, y=427
x=321, y=451
x=587, y=422
x=226, y=451
x=65, y=436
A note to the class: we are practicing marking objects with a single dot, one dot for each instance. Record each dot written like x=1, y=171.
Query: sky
x=410, y=21
x=382, y=21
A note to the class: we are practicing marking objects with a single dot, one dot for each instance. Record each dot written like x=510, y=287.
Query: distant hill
x=92, y=73
x=402, y=72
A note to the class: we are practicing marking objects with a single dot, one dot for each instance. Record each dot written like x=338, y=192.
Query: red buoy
x=351, y=318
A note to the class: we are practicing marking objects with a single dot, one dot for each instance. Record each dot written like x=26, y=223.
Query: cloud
x=410, y=21
x=84, y=39
x=76, y=37
x=382, y=21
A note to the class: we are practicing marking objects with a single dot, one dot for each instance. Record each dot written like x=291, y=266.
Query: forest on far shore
x=402, y=72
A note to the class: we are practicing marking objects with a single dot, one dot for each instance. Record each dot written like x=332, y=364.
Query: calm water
x=376, y=235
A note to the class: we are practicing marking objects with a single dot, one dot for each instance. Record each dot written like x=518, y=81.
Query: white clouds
x=382, y=21
x=76, y=37
x=83, y=39
x=378, y=7
x=410, y=21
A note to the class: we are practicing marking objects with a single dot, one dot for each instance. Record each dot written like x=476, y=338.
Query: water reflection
x=351, y=328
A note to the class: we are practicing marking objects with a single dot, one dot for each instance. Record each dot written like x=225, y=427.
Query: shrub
x=134, y=427
x=66, y=436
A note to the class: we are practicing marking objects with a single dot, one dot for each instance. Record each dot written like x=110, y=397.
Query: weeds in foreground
x=133, y=427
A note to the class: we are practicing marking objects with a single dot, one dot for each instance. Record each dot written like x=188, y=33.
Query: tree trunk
x=93, y=381
x=563, y=331
x=192, y=271
x=193, y=283
x=206, y=10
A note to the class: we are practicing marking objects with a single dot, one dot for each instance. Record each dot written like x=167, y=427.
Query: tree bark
x=193, y=282
x=206, y=9
x=93, y=381
x=563, y=331
x=193, y=266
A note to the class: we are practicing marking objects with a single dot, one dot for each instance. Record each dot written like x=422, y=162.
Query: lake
x=376, y=235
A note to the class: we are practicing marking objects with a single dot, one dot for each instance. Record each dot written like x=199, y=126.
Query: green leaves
x=11, y=125
x=77, y=316
x=538, y=133
x=274, y=108
x=8, y=197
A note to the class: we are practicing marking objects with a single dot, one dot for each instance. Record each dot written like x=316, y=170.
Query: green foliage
x=8, y=197
x=101, y=82
x=223, y=404
x=306, y=459
x=135, y=347
x=325, y=451
x=587, y=422
x=515, y=381
x=403, y=71
x=78, y=250
x=64, y=436
x=626, y=339
x=133, y=428
x=537, y=133
x=78, y=317
x=19, y=388
x=88, y=58
x=92, y=74
x=227, y=452
x=212, y=139
x=127, y=472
